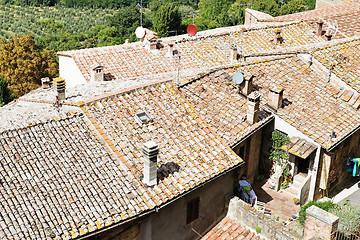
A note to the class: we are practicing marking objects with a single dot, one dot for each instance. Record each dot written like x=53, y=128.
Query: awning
x=299, y=147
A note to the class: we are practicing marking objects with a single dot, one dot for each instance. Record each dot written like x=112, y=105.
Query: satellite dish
x=191, y=30
x=140, y=32
x=238, y=78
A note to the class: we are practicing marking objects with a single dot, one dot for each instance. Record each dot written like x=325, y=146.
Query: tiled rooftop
x=63, y=178
x=343, y=9
x=201, y=52
x=224, y=109
x=345, y=61
x=346, y=15
x=53, y=184
x=228, y=229
x=311, y=104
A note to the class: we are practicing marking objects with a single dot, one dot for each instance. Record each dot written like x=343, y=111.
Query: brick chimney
x=97, y=72
x=277, y=37
x=319, y=27
x=153, y=44
x=45, y=82
x=253, y=103
x=59, y=86
x=247, y=85
x=276, y=97
x=150, y=151
x=233, y=53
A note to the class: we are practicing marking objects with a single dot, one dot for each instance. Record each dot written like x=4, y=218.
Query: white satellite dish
x=140, y=32
x=238, y=78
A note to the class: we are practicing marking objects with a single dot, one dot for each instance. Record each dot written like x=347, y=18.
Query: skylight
x=142, y=118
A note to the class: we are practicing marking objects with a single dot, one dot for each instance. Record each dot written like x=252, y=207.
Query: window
x=192, y=210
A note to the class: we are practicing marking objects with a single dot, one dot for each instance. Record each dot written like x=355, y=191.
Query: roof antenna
x=333, y=27
x=140, y=6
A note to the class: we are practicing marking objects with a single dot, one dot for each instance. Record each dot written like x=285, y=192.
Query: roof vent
x=150, y=151
x=59, y=86
x=142, y=118
x=333, y=135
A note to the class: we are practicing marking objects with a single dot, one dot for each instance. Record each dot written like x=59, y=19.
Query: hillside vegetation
x=58, y=25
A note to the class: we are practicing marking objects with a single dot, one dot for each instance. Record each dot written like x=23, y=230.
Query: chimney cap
x=254, y=97
x=150, y=145
x=319, y=20
x=276, y=89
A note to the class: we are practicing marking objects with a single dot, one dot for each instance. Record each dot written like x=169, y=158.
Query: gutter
x=343, y=139
x=156, y=209
x=252, y=132
x=86, y=236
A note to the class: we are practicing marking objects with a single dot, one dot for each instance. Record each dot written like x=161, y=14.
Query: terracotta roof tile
x=345, y=61
x=135, y=60
x=309, y=103
x=220, y=104
x=229, y=229
x=343, y=9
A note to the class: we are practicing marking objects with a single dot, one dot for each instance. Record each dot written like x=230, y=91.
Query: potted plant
x=296, y=201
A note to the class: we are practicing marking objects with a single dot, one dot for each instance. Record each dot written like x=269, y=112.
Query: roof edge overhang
x=266, y=121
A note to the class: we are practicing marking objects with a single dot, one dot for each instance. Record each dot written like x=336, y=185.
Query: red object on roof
x=191, y=30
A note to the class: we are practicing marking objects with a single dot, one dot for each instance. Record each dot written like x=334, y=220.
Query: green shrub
x=348, y=214
x=327, y=205
x=258, y=229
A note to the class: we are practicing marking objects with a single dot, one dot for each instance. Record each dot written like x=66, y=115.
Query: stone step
x=294, y=192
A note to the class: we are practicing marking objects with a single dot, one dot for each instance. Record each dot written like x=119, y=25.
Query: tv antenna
x=332, y=27
x=141, y=7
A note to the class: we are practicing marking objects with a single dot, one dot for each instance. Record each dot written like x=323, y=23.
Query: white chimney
x=253, y=104
x=276, y=97
x=150, y=151
x=97, y=72
x=170, y=52
x=45, y=82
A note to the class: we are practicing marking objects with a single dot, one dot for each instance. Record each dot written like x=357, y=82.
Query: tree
x=167, y=18
x=121, y=26
x=5, y=95
x=23, y=63
x=293, y=6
